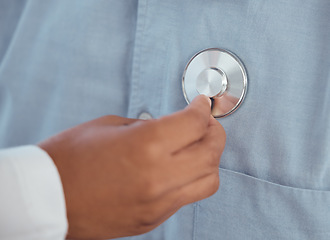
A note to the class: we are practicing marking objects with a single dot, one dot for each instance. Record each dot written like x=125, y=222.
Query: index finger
x=182, y=128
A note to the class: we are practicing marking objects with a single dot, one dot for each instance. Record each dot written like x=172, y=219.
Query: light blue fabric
x=66, y=62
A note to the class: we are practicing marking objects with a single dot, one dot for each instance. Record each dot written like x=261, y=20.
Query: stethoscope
x=218, y=74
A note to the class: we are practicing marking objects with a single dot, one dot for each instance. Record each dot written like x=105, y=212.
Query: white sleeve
x=32, y=203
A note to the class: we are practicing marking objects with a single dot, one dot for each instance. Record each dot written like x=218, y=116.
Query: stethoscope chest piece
x=218, y=74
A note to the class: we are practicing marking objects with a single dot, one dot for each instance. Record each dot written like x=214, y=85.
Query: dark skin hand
x=124, y=177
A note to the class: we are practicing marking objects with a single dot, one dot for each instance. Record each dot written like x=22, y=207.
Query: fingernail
x=210, y=102
x=208, y=99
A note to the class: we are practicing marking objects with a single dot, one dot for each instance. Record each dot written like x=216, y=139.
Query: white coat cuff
x=32, y=198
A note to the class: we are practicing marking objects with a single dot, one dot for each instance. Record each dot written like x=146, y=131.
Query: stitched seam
x=196, y=206
x=134, y=99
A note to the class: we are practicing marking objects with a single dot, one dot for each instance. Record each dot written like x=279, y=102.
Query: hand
x=124, y=177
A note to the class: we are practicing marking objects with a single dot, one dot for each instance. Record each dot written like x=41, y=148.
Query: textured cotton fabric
x=32, y=205
x=66, y=62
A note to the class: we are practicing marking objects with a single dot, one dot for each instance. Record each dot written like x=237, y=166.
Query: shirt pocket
x=249, y=208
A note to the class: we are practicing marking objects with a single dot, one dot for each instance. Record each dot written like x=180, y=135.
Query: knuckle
x=151, y=147
x=151, y=150
x=214, y=145
x=141, y=229
x=214, y=158
x=214, y=183
x=151, y=188
x=149, y=217
x=213, y=155
x=143, y=224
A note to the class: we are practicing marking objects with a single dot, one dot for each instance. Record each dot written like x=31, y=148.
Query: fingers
x=167, y=205
x=198, y=159
x=200, y=189
x=187, y=126
x=176, y=169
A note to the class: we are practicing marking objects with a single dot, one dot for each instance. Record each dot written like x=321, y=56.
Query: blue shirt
x=66, y=62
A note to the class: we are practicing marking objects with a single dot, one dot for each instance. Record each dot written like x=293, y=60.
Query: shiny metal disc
x=218, y=74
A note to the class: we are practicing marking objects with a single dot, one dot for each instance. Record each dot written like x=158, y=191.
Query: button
x=218, y=74
x=145, y=116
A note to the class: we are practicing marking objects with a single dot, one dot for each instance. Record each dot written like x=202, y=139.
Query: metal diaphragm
x=218, y=74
